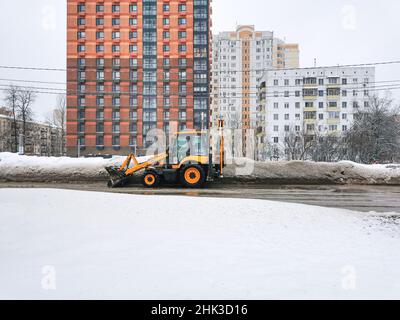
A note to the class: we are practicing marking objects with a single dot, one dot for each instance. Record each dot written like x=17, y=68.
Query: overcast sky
x=33, y=33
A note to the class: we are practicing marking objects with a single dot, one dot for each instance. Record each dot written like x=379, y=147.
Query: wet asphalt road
x=360, y=198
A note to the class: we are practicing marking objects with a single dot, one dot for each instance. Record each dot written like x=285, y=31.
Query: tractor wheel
x=151, y=180
x=192, y=176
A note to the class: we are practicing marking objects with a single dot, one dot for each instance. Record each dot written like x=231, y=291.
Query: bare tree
x=327, y=148
x=233, y=123
x=25, y=100
x=233, y=120
x=58, y=119
x=12, y=102
x=375, y=134
x=273, y=152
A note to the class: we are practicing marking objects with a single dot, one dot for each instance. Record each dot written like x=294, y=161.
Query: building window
x=115, y=140
x=100, y=101
x=100, y=35
x=166, y=62
x=133, y=62
x=81, y=102
x=166, y=35
x=81, y=128
x=115, y=128
x=116, y=103
x=81, y=141
x=100, y=115
x=81, y=75
x=116, y=75
x=115, y=115
x=100, y=127
x=81, y=88
x=81, y=7
x=182, y=34
x=133, y=115
x=116, y=8
x=182, y=115
x=99, y=48
x=116, y=62
x=100, y=62
x=166, y=115
x=133, y=34
x=133, y=48
x=100, y=7
x=100, y=141
x=100, y=87
x=182, y=62
x=116, y=34
x=100, y=75
x=133, y=7
x=99, y=21
x=132, y=127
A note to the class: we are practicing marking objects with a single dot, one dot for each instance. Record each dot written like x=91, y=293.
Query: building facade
x=134, y=66
x=238, y=62
x=313, y=102
x=41, y=139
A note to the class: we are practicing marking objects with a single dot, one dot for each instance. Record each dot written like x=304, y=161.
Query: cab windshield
x=191, y=145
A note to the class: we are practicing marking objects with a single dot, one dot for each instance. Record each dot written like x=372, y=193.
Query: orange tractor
x=190, y=161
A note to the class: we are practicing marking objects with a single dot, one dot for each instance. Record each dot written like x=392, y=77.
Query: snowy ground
x=41, y=169
x=95, y=245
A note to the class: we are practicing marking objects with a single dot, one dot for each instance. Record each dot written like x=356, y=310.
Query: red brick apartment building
x=133, y=66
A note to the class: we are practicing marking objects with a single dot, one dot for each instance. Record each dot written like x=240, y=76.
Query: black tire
x=192, y=176
x=150, y=179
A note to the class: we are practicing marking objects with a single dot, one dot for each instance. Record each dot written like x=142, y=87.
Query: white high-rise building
x=239, y=59
x=315, y=101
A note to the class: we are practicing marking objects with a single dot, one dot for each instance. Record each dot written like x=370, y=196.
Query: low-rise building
x=41, y=139
x=311, y=102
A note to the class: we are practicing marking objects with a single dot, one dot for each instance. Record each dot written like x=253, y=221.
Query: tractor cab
x=189, y=145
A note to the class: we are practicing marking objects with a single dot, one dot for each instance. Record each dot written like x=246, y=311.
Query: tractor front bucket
x=117, y=177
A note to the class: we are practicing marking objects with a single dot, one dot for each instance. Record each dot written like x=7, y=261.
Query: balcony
x=310, y=108
x=310, y=83
x=333, y=121
x=310, y=121
x=310, y=97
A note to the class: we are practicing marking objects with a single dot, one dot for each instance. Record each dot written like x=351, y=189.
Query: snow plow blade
x=117, y=177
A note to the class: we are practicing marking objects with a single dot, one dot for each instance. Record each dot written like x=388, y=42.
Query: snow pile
x=95, y=246
x=14, y=167
x=307, y=172
x=42, y=169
